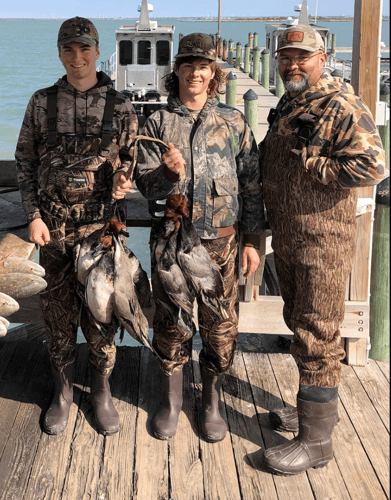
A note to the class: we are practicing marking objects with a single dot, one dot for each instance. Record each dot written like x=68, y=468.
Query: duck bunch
x=19, y=278
x=184, y=269
x=115, y=286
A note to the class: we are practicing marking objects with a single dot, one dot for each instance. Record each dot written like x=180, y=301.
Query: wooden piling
x=280, y=85
x=225, y=50
x=231, y=52
x=380, y=278
x=238, y=55
x=251, y=40
x=246, y=66
x=256, y=63
x=251, y=110
x=265, y=69
x=230, y=94
x=255, y=39
x=333, y=44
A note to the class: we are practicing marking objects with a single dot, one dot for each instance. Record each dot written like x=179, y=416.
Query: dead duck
x=125, y=301
x=201, y=273
x=99, y=289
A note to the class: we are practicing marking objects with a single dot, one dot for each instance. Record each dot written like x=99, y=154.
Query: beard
x=295, y=87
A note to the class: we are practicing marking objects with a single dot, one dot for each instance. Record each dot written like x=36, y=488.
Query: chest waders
x=313, y=228
x=74, y=170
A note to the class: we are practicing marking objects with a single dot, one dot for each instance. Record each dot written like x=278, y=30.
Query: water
x=27, y=67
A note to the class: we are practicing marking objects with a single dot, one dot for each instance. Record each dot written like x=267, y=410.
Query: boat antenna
x=143, y=23
x=303, y=17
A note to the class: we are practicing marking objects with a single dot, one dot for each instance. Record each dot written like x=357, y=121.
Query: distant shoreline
x=198, y=19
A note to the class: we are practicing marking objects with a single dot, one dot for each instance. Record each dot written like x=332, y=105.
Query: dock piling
x=246, y=67
x=256, y=63
x=265, y=69
x=230, y=94
x=280, y=85
x=238, y=55
x=251, y=110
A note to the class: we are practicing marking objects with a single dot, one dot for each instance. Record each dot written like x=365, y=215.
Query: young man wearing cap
x=74, y=140
x=322, y=143
x=215, y=145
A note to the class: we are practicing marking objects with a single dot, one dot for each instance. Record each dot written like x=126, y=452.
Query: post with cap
x=251, y=110
x=225, y=50
x=230, y=96
x=251, y=40
x=246, y=67
x=265, y=69
x=230, y=53
x=256, y=63
x=255, y=39
x=238, y=55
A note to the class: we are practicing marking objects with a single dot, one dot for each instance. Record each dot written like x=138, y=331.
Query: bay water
x=29, y=61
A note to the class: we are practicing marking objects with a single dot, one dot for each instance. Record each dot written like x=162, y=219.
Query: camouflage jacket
x=43, y=170
x=222, y=178
x=344, y=148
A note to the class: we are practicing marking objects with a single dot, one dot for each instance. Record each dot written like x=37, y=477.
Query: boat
x=143, y=56
x=337, y=67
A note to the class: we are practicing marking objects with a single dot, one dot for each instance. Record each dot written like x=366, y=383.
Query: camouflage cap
x=78, y=29
x=197, y=45
x=300, y=36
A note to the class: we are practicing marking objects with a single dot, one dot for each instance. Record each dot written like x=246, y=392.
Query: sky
x=173, y=8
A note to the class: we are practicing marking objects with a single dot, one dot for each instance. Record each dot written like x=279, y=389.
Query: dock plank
x=151, y=454
x=218, y=463
x=246, y=435
x=53, y=454
x=116, y=474
x=376, y=387
x=185, y=465
x=370, y=430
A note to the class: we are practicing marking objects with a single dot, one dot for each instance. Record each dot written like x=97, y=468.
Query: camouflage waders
x=62, y=304
x=218, y=336
x=313, y=228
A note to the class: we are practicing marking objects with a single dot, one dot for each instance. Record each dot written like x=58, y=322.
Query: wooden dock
x=132, y=465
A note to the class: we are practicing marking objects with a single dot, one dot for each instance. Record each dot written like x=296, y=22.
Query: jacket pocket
x=225, y=201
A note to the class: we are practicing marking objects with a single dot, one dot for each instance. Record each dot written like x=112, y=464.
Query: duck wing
x=141, y=281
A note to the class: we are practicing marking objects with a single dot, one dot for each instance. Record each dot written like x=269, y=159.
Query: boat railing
x=345, y=66
x=109, y=66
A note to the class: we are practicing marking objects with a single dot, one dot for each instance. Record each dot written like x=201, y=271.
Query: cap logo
x=295, y=36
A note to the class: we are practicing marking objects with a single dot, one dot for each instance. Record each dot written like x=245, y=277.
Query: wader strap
x=107, y=121
x=52, y=116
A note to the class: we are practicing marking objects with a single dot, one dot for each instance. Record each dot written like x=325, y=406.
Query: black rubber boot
x=56, y=418
x=165, y=421
x=106, y=416
x=312, y=447
x=213, y=426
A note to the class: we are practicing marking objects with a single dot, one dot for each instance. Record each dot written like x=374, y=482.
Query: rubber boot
x=165, y=421
x=106, y=416
x=286, y=419
x=312, y=447
x=213, y=426
x=56, y=418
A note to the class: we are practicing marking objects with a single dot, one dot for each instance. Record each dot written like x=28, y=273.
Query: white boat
x=143, y=56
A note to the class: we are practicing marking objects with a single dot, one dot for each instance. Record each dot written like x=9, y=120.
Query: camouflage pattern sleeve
x=151, y=178
x=129, y=129
x=252, y=220
x=27, y=161
x=347, y=150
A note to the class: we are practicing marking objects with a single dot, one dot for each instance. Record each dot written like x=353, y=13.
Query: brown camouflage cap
x=78, y=29
x=197, y=45
x=302, y=37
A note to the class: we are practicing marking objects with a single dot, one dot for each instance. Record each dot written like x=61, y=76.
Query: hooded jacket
x=222, y=173
x=344, y=148
x=79, y=131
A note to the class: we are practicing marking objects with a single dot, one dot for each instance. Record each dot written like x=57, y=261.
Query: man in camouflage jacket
x=222, y=185
x=322, y=143
x=74, y=138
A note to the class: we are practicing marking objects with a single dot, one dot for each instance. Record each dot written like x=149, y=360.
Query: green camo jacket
x=222, y=178
x=43, y=170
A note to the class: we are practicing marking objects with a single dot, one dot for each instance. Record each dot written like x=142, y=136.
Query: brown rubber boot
x=213, y=426
x=106, y=416
x=165, y=421
x=286, y=419
x=56, y=418
x=312, y=447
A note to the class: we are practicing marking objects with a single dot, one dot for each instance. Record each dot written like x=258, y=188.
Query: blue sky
x=173, y=8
